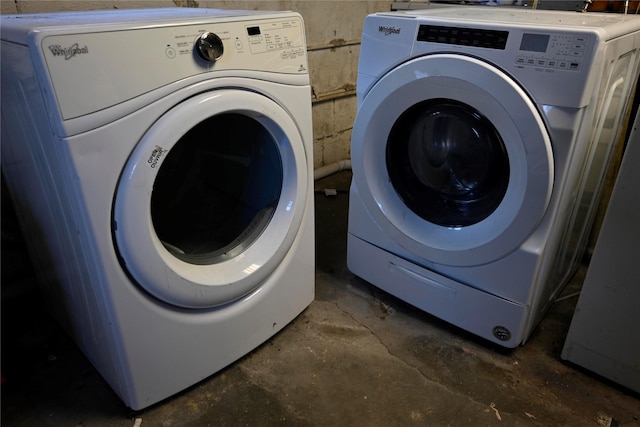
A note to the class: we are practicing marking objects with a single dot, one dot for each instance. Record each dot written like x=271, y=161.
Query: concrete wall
x=333, y=30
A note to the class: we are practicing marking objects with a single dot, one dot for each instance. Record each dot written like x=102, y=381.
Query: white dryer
x=478, y=154
x=161, y=162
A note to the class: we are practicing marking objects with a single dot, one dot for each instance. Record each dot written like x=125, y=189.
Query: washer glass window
x=217, y=189
x=447, y=162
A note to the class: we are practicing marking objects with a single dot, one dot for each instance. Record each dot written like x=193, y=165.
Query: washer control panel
x=541, y=50
x=554, y=51
x=463, y=36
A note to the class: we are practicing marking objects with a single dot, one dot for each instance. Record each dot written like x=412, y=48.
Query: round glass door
x=211, y=199
x=451, y=159
x=217, y=189
x=448, y=163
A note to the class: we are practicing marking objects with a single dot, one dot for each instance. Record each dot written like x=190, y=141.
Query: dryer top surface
x=15, y=28
x=89, y=62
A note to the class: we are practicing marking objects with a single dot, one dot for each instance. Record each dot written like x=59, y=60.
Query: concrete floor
x=355, y=357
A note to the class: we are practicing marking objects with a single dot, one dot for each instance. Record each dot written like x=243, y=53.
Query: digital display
x=253, y=31
x=534, y=42
x=462, y=36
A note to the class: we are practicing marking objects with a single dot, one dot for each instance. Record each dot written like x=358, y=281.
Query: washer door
x=452, y=159
x=211, y=199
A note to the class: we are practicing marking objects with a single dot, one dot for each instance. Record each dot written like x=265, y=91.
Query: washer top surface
x=613, y=24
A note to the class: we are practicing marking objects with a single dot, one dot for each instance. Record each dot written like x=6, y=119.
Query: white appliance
x=161, y=162
x=604, y=335
x=478, y=152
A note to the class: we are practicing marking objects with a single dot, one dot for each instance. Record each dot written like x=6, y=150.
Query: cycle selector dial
x=209, y=47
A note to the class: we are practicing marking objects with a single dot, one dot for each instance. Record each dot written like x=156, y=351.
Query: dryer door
x=452, y=159
x=212, y=198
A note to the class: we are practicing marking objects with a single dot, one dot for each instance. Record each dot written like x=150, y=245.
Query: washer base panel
x=488, y=316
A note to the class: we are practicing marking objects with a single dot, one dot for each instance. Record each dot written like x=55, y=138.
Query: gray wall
x=333, y=30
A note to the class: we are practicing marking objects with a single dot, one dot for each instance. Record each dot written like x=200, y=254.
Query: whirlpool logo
x=68, y=52
x=388, y=30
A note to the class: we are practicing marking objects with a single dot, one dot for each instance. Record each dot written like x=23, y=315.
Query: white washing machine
x=478, y=154
x=161, y=162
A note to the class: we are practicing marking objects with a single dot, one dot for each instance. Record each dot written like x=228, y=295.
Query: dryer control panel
x=275, y=36
x=93, y=69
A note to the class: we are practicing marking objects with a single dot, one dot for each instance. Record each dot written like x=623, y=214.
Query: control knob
x=209, y=47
